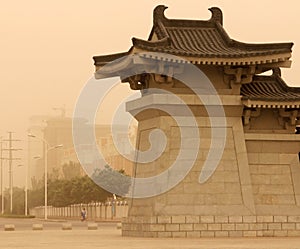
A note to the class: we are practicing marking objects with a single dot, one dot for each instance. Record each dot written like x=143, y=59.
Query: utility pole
x=10, y=150
x=1, y=172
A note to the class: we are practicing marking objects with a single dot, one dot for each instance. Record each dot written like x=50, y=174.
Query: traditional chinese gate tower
x=255, y=190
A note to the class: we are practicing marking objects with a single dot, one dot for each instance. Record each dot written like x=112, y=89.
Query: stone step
x=9, y=227
x=92, y=226
x=119, y=225
x=66, y=226
x=37, y=227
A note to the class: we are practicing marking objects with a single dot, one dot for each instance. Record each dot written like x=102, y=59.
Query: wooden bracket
x=239, y=75
x=250, y=113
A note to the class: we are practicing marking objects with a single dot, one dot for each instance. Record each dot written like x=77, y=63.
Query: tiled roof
x=270, y=88
x=205, y=41
x=201, y=38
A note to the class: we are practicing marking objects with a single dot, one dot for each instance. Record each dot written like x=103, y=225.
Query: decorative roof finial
x=158, y=13
x=217, y=15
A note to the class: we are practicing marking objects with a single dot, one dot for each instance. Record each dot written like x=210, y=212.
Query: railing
x=95, y=211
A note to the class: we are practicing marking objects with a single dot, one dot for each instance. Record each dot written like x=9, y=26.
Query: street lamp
x=46, y=150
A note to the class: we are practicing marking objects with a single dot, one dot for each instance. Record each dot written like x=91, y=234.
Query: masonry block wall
x=275, y=170
x=253, y=192
x=212, y=226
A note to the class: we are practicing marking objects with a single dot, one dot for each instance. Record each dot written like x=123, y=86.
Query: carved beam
x=138, y=82
x=239, y=75
x=250, y=113
x=291, y=115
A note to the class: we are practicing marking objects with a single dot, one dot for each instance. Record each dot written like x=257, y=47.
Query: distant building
x=58, y=131
x=105, y=144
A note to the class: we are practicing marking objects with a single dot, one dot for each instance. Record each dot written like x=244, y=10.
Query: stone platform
x=212, y=226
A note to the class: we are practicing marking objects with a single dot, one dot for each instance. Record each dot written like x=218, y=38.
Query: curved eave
x=114, y=68
x=247, y=49
x=288, y=104
x=283, y=58
x=104, y=59
x=118, y=62
x=270, y=92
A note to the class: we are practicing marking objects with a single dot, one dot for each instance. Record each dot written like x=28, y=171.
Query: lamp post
x=46, y=150
x=26, y=181
x=26, y=176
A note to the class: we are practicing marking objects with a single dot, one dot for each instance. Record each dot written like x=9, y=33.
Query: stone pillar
x=190, y=206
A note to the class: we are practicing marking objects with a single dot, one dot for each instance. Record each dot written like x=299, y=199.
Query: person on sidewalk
x=83, y=214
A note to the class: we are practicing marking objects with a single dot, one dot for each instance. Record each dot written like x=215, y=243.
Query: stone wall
x=212, y=226
x=254, y=191
x=275, y=172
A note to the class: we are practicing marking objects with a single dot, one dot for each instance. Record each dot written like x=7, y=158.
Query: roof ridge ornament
x=158, y=13
x=217, y=15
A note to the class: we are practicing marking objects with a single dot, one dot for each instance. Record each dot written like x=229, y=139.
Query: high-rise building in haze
x=57, y=130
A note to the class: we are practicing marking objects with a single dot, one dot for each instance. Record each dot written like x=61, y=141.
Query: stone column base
x=211, y=226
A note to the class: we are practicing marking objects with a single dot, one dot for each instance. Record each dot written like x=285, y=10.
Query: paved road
x=107, y=236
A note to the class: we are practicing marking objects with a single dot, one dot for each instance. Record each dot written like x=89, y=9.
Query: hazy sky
x=47, y=46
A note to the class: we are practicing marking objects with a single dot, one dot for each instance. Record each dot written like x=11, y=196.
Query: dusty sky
x=47, y=46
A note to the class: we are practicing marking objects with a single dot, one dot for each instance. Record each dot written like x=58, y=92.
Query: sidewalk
x=98, y=220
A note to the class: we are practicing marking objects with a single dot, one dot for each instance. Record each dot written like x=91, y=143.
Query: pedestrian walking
x=83, y=214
